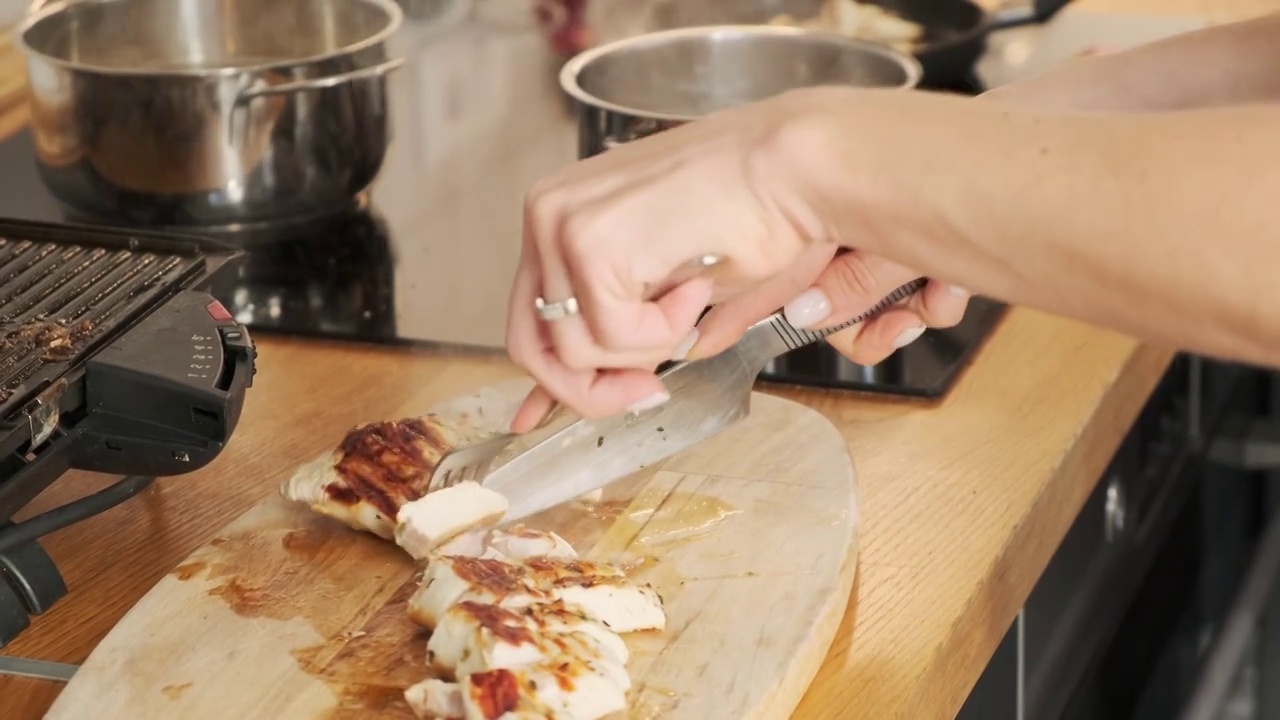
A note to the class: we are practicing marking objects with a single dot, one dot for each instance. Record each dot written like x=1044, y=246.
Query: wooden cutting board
x=750, y=538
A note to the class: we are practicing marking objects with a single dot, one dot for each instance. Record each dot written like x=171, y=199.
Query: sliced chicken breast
x=618, y=603
x=602, y=592
x=474, y=636
x=436, y=699
x=551, y=648
x=521, y=542
x=561, y=688
x=425, y=524
x=375, y=470
x=472, y=543
x=449, y=579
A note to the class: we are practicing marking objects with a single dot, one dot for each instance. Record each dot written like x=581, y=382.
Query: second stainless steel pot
x=641, y=85
x=209, y=112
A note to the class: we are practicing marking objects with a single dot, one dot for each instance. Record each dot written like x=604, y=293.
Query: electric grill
x=113, y=359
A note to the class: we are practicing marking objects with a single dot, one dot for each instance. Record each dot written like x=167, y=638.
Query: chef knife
x=707, y=396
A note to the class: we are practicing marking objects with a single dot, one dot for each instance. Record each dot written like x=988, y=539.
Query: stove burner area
x=111, y=360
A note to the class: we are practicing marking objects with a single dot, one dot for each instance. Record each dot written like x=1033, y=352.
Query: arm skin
x=1224, y=65
x=1165, y=226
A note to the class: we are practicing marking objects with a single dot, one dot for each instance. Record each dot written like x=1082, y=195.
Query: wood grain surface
x=963, y=501
x=750, y=539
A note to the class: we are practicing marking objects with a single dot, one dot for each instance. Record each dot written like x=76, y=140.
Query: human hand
x=608, y=229
x=846, y=287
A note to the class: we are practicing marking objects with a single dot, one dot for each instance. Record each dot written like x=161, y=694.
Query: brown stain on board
x=189, y=570
x=357, y=589
x=353, y=590
x=173, y=692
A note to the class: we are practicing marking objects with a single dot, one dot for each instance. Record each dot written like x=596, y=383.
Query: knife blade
x=590, y=454
x=707, y=396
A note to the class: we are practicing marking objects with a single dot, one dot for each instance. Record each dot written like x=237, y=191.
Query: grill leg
x=30, y=584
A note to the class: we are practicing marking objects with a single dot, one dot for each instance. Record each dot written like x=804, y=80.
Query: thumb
x=850, y=285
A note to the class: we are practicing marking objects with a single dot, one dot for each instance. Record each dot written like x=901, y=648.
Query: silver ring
x=553, y=311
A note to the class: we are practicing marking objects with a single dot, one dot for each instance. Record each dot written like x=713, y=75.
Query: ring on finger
x=554, y=311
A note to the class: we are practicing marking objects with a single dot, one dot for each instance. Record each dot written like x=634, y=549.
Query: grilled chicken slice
x=601, y=592
x=521, y=542
x=473, y=543
x=375, y=470
x=474, y=636
x=546, y=648
x=565, y=688
x=618, y=603
x=425, y=524
x=436, y=700
x=449, y=579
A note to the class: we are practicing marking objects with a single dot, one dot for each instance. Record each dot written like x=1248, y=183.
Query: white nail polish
x=808, y=309
x=957, y=291
x=648, y=403
x=682, y=350
x=908, y=336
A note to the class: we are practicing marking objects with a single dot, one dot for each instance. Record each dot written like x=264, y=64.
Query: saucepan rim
x=913, y=71
x=395, y=18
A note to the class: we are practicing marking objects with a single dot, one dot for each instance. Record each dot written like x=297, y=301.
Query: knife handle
x=793, y=338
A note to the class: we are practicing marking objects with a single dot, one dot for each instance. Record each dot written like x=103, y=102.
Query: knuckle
x=578, y=230
x=520, y=353
x=848, y=280
x=541, y=192
x=544, y=205
x=578, y=357
x=609, y=334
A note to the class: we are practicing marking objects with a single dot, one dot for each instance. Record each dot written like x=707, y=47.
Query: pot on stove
x=638, y=86
x=191, y=112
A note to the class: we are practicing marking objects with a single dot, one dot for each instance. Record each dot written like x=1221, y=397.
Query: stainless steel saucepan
x=635, y=87
x=209, y=112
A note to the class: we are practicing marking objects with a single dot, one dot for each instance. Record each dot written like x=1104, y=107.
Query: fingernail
x=957, y=291
x=648, y=403
x=908, y=336
x=682, y=350
x=808, y=308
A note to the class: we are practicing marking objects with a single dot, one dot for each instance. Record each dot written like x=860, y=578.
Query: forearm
x=1163, y=226
x=1224, y=65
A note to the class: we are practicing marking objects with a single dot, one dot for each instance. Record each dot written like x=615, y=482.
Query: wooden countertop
x=964, y=501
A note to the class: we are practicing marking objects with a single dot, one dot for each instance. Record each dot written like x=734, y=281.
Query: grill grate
x=58, y=301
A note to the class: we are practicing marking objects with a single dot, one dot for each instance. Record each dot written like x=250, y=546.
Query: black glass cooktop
x=388, y=271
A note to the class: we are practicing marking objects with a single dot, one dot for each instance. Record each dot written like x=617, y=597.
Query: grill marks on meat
x=376, y=470
x=387, y=464
x=495, y=693
x=495, y=576
x=505, y=625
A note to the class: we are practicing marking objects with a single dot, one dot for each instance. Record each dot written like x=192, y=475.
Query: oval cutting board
x=750, y=538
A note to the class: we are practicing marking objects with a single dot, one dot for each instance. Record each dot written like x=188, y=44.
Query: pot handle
x=320, y=83
x=1017, y=14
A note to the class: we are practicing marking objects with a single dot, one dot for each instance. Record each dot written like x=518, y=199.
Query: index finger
x=590, y=393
